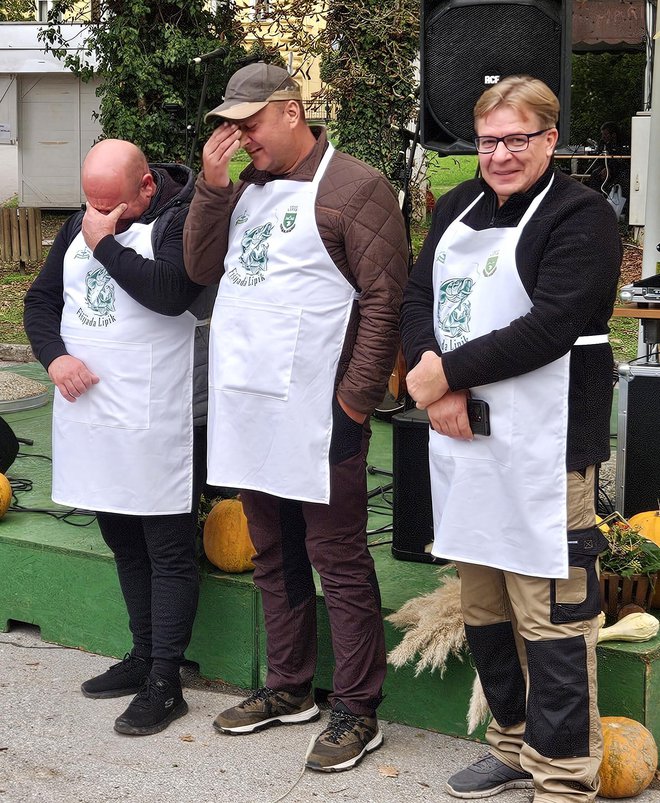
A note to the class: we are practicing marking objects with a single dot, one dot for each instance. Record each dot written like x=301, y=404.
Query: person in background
x=108, y=317
x=605, y=171
x=509, y=303
x=311, y=253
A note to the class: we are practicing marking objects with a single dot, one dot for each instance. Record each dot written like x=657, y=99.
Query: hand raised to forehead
x=97, y=225
x=218, y=151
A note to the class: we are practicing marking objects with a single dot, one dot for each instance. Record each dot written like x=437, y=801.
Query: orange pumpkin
x=227, y=541
x=5, y=495
x=649, y=525
x=630, y=758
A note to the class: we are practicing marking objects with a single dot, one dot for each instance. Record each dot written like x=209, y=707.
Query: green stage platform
x=61, y=578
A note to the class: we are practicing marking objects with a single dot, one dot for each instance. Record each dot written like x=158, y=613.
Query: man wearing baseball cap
x=310, y=250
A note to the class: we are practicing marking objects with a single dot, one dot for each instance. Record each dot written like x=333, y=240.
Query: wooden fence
x=20, y=235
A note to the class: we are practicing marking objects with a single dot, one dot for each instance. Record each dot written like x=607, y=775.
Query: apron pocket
x=122, y=397
x=577, y=599
x=238, y=363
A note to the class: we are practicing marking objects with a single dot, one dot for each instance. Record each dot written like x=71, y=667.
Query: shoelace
x=265, y=693
x=126, y=662
x=488, y=762
x=340, y=724
x=150, y=690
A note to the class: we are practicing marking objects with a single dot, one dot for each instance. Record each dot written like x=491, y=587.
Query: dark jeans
x=159, y=574
x=290, y=537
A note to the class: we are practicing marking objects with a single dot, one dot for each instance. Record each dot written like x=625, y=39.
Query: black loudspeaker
x=468, y=45
x=638, y=439
x=8, y=446
x=412, y=516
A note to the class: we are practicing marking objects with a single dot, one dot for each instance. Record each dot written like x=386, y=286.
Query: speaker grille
x=412, y=512
x=641, y=445
x=462, y=44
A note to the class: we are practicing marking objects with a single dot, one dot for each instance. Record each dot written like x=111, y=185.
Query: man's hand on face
x=71, y=376
x=97, y=225
x=220, y=147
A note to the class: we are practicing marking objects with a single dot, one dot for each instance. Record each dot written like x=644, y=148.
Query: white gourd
x=634, y=627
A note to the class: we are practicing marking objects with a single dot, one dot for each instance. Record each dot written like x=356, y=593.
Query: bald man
x=110, y=319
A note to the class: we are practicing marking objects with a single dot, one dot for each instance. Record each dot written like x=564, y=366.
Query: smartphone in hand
x=479, y=416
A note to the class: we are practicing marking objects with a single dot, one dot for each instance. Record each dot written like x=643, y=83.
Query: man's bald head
x=115, y=172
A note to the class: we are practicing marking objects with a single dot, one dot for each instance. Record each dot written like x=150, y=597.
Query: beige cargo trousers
x=533, y=642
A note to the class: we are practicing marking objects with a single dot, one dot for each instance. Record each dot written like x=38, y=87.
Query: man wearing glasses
x=509, y=302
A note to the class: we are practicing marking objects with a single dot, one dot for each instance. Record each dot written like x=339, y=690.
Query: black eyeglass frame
x=504, y=139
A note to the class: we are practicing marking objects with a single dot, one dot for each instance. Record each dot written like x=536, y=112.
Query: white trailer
x=47, y=114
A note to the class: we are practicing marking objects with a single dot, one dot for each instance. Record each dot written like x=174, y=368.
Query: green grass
x=623, y=338
x=239, y=162
x=13, y=287
x=446, y=172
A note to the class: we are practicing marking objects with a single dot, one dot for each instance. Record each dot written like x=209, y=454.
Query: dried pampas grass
x=478, y=711
x=434, y=630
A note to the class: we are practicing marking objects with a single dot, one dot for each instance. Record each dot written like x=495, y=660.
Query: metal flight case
x=638, y=438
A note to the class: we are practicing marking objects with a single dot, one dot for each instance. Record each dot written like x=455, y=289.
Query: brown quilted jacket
x=362, y=228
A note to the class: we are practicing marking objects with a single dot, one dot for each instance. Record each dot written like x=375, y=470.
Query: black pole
x=198, y=121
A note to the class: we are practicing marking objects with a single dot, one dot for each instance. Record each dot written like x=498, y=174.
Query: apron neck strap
x=325, y=161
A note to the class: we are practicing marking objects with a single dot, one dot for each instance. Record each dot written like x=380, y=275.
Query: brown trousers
x=548, y=723
x=292, y=537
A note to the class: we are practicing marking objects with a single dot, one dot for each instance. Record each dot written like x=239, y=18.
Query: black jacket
x=160, y=284
x=568, y=258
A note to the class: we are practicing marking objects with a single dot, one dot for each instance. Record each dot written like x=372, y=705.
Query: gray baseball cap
x=252, y=88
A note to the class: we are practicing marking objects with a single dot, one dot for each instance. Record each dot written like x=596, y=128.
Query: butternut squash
x=634, y=627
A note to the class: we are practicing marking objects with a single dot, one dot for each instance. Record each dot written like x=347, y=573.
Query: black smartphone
x=479, y=415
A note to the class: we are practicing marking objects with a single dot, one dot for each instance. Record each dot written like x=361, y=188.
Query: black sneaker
x=345, y=742
x=486, y=777
x=158, y=703
x=120, y=679
x=266, y=707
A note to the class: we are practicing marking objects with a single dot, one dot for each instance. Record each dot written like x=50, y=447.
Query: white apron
x=124, y=446
x=277, y=331
x=498, y=501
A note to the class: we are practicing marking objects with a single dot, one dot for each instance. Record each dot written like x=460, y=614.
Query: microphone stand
x=406, y=206
x=406, y=202
x=198, y=121
x=405, y=175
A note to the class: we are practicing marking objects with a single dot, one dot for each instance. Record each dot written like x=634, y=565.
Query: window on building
x=262, y=10
x=44, y=7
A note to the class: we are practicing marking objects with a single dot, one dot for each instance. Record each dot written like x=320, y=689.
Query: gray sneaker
x=486, y=777
x=266, y=707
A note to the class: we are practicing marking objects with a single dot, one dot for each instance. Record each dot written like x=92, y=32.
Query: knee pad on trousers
x=495, y=656
x=296, y=568
x=558, y=702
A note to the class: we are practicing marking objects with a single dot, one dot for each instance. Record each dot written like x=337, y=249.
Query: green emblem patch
x=289, y=222
x=491, y=264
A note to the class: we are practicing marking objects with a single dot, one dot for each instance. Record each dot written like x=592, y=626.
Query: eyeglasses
x=512, y=142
